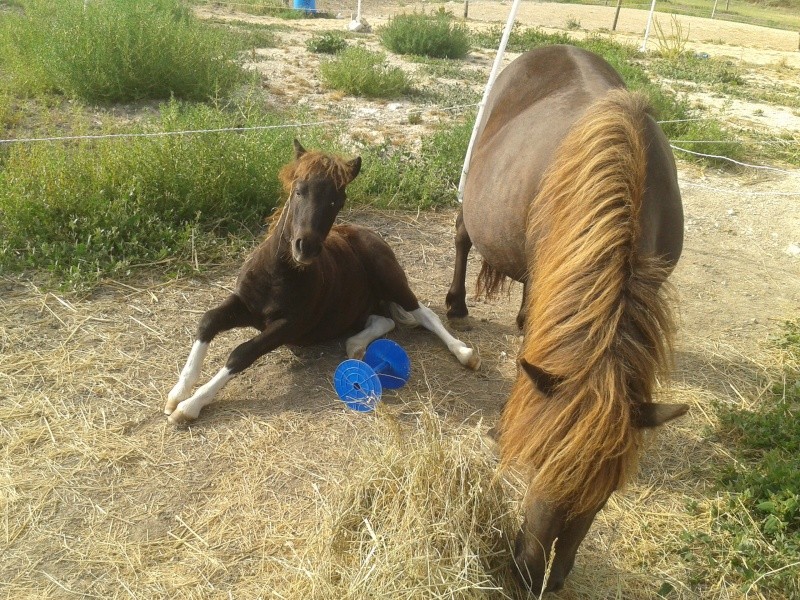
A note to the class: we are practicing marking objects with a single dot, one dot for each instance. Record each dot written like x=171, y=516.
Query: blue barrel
x=306, y=5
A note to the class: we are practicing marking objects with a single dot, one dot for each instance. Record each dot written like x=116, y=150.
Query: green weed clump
x=755, y=531
x=118, y=51
x=361, y=72
x=424, y=180
x=330, y=42
x=435, y=36
x=88, y=209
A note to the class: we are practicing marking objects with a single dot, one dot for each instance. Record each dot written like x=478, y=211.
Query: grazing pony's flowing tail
x=598, y=326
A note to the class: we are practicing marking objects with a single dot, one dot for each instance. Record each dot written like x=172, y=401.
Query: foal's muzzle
x=305, y=250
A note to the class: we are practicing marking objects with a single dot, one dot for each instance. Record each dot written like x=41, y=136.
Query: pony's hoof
x=178, y=417
x=457, y=312
x=356, y=351
x=470, y=358
x=170, y=406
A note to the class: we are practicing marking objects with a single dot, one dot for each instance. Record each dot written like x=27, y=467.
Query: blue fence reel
x=360, y=384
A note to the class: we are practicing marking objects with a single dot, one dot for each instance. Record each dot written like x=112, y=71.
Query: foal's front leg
x=230, y=314
x=277, y=333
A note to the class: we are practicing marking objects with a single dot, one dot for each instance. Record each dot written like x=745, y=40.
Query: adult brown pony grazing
x=572, y=190
x=307, y=282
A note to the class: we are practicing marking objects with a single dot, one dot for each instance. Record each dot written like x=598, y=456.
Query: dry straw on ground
x=277, y=491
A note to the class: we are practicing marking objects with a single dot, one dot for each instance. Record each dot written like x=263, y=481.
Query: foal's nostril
x=298, y=246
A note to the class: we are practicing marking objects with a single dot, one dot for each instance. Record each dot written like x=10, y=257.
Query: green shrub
x=361, y=72
x=330, y=42
x=430, y=178
x=423, y=35
x=119, y=50
x=91, y=208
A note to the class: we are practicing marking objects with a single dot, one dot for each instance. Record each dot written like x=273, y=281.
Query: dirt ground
x=106, y=362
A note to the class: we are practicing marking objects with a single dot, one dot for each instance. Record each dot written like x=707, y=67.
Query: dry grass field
x=278, y=491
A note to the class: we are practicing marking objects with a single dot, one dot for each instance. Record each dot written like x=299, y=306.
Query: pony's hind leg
x=456, y=296
x=376, y=327
x=231, y=313
x=430, y=320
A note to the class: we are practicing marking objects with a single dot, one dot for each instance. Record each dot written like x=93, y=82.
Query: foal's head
x=316, y=183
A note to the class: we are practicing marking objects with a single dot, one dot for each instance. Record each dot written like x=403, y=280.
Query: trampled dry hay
x=423, y=514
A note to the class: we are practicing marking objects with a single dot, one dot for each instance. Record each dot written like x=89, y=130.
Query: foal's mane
x=311, y=163
x=598, y=320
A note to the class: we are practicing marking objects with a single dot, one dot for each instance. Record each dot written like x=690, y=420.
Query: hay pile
x=422, y=514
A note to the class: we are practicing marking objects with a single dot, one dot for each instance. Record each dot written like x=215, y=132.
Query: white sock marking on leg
x=376, y=327
x=431, y=321
x=188, y=377
x=189, y=410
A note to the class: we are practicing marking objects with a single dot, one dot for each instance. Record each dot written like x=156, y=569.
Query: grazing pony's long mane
x=312, y=162
x=598, y=322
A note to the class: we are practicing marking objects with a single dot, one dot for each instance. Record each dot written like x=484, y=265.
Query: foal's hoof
x=356, y=351
x=178, y=417
x=470, y=358
x=176, y=395
x=170, y=406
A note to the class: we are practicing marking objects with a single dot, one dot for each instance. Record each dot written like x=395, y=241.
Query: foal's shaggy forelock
x=314, y=162
x=597, y=316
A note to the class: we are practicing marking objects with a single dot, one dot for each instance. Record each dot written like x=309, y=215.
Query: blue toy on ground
x=360, y=384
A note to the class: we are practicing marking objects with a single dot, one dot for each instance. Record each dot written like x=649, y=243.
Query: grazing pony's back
x=572, y=190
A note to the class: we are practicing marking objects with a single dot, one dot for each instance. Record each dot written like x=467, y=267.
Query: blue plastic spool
x=360, y=384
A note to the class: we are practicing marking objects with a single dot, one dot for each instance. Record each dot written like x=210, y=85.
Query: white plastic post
x=498, y=59
x=647, y=29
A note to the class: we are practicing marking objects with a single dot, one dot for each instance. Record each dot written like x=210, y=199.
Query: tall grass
x=399, y=179
x=121, y=50
x=93, y=208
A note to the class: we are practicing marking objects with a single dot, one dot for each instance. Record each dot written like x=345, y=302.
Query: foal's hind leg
x=376, y=327
x=228, y=315
x=456, y=296
x=430, y=320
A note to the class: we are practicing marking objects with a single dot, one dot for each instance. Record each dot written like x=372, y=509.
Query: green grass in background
x=395, y=178
x=88, y=209
x=361, y=72
x=435, y=36
x=117, y=51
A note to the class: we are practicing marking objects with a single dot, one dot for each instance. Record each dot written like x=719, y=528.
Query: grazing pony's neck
x=596, y=320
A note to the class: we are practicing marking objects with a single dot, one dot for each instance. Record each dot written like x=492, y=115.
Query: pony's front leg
x=276, y=334
x=228, y=315
x=456, y=300
x=430, y=320
x=376, y=327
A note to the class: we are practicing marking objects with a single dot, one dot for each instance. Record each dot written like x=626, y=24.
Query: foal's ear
x=354, y=168
x=298, y=149
x=653, y=414
x=543, y=380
